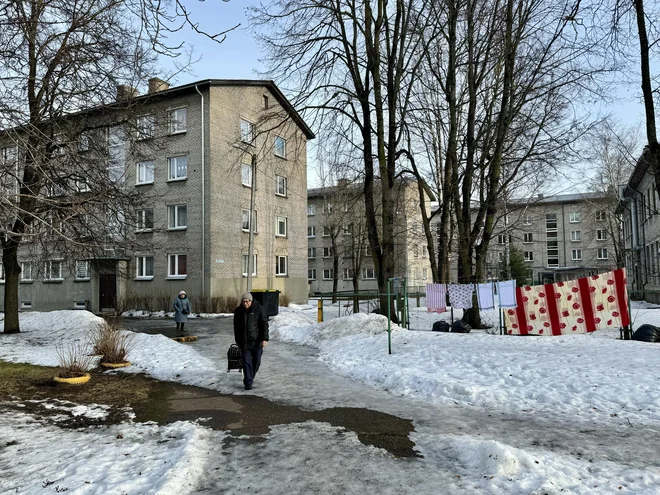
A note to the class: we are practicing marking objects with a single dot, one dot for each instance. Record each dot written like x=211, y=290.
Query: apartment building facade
x=195, y=154
x=337, y=241
x=638, y=210
x=561, y=237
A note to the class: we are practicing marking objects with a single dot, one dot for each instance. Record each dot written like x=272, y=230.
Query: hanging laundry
x=577, y=306
x=506, y=292
x=436, y=298
x=460, y=295
x=485, y=296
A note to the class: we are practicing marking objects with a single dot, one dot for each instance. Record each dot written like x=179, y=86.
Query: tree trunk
x=12, y=277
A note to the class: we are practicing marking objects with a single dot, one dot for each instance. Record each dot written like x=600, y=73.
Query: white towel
x=436, y=298
x=507, y=293
x=485, y=296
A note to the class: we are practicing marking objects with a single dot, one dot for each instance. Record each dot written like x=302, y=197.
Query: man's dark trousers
x=251, y=362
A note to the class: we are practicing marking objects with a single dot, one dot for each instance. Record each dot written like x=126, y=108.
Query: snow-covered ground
x=578, y=382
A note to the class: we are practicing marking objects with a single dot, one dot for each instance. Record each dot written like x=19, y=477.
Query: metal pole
x=250, y=263
x=319, y=305
x=389, y=326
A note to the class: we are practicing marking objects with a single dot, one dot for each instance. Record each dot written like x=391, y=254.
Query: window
x=311, y=210
x=576, y=254
x=145, y=172
x=348, y=229
x=349, y=274
x=265, y=102
x=82, y=186
x=144, y=219
x=528, y=219
x=247, y=131
x=26, y=271
x=2, y=273
x=177, y=265
x=311, y=274
x=178, y=216
x=281, y=227
x=246, y=175
x=328, y=274
x=574, y=217
x=528, y=237
x=326, y=231
x=529, y=256
x=280, y=188
x=82, y=270
x=601, y=216
x=246, y=221
x=144, y=267
x=602, y=254
x=327, y=208
x=116, y=154
x=424, y=273
x=501, y=239
x=245, y=265
x=327, y=252
x=311, y=231
x=178, y=120
x=575, y=235
x=551, y=222
x=84, y=141
x=311, y=253
x=500, y=257
x=280, y=147
x=368, y=274
x=26, y=304
x=601, y=235
x=53, y=270
x=146, y=126
x=415, y=250
x=177, y=167
x=281, y=267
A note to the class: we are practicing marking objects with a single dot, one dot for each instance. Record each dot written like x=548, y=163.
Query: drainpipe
x=203, y=199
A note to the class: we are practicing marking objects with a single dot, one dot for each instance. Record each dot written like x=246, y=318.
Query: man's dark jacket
x=250, y=326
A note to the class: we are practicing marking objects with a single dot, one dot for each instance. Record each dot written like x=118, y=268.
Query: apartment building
x=562, y=237
x=198, y=151
x=638, y=210
x=337, y=242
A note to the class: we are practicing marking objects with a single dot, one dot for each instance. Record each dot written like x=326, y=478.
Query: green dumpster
x=269, y=299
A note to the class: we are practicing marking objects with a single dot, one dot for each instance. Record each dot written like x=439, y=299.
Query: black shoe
x=248, y=387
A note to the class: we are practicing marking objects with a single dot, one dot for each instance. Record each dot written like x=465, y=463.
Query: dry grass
x=285, y=300
x=111, y=343
x=74, y=359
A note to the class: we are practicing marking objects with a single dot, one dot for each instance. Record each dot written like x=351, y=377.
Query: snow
x=556, y=387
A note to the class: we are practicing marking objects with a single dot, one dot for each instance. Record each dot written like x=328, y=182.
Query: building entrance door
x=107, y=291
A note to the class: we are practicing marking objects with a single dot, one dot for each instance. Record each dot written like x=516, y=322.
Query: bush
x=285, y=300
x=74, y=359
x=111, y=343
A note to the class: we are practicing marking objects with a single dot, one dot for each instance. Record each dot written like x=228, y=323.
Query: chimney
x=156, y=85
x=125, y=92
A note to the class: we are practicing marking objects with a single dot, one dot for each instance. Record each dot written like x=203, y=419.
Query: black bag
x=185, y=312
x=647, y=333
x=234, y=358
x=441, y=326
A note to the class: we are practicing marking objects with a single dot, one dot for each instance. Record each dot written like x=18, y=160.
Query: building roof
x=559, y=198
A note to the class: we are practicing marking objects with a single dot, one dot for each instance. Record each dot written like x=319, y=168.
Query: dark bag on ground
x=441, y=326
x=459, y=326
x=647, y=333
x=234, y=358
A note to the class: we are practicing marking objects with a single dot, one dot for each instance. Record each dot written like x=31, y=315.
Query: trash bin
x=269, y=299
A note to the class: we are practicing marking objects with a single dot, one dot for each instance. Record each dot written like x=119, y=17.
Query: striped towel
x=436, y=298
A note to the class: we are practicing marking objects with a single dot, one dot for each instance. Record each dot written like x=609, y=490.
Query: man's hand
x=263, y=344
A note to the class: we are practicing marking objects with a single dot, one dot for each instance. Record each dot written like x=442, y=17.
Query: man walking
x=251, y=335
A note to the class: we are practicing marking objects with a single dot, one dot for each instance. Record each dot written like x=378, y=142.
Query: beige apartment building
x=337, y=244
x=193, y=155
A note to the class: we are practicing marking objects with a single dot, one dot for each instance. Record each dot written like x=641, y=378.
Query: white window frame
x=245, y=264
x=174, y=274
x=82, y=185
x=327, y=252
x=146, y=127
x=311, y=253
x=501, y=239
x=26, y=304
x=141, y=267
x=281, y=266
x=576, y=236
x=85, y=272
x=246, y=174
x=528, y=237
x=248, y=131
x=312, y=272
x=279, y=147
x=529, y=255
x=349, y=274
x=281, y=185
x=282, y=227
x=574, y=217
x=173, y=168
x=328, y=274
x=173, y=217
x=142, y=171
x=50, y=265
x=26, y=267
x=576, y=254
x=141, y=220
x=311, y=210
x=369, y=273
x=601, y=215
x=602, y=254
x=326, y=231
x=311, y=231
x=178, y=120
x=245, y=215
x=601, y=235
x=2, y=273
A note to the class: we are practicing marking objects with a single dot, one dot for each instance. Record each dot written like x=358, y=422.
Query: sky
x=492, y=414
